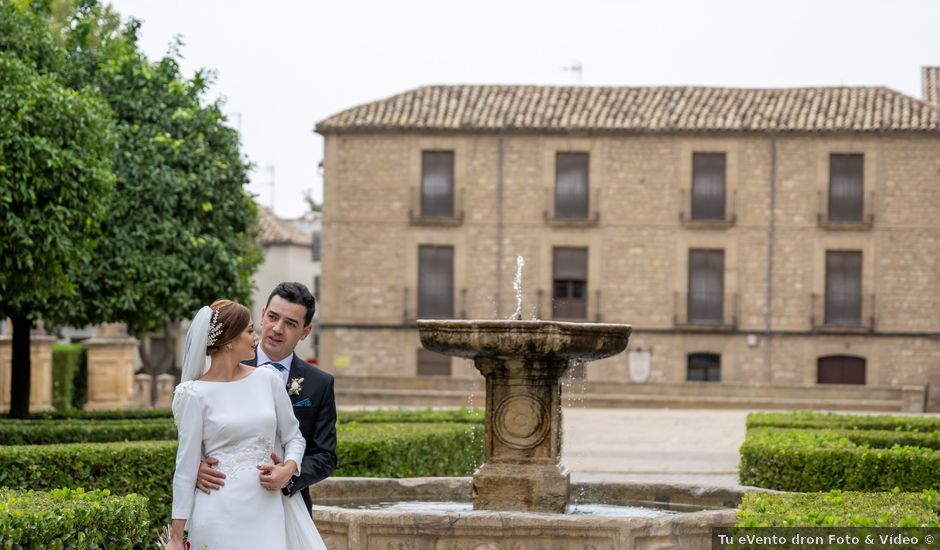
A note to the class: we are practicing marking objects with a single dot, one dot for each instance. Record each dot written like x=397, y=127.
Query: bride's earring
x=228, y=346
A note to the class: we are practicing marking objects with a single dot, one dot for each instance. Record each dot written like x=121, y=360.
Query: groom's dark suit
x=315, y=409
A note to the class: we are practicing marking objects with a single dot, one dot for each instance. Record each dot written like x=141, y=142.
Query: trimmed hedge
x=817, y=460
x=471, y=415
x=66, y=360
x=72, y=518
x=409, y=450
x=817, y=420
x=466, y=415
x=44, y=432
x=146, y=467
x=839, y=509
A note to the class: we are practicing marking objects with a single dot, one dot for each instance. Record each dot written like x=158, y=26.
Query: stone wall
x=638, y=249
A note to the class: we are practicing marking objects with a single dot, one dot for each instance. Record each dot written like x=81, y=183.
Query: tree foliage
x=181, y=229
x=121, y=188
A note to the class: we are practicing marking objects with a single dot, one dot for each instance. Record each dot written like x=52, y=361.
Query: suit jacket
x=315, y=409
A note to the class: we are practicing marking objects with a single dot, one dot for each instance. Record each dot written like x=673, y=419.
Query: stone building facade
x=776, y=246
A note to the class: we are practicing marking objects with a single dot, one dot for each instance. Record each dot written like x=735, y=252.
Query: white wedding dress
x=240, y=423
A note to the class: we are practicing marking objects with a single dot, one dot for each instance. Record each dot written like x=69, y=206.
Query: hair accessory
x=215, y=328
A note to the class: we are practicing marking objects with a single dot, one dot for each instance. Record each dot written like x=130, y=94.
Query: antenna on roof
x=576, y=68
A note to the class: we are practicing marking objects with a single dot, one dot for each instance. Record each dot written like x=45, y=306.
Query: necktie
x=279, y=367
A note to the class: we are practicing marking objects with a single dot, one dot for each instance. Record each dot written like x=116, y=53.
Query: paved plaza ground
x=676, y=445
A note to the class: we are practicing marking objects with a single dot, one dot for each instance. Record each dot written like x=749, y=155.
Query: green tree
x=55, y=176
x=181, y=229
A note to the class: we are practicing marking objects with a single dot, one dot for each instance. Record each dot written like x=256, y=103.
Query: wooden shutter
x=571, y=185
x=436, y=282
x=433, y=364
x=844, y=288
x=570, y=283
x=708, y=186
x=706, y=286
x=840, y=369
x=846, y=188
x=437, y=183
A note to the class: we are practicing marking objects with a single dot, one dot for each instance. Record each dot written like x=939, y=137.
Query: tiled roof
x=274, y=230
x=652, y=109
x=930, y=81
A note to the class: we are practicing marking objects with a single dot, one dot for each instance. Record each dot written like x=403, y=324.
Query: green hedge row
x=72, y=518
x=471, y=415
x=818, y=460
x=409, y=450
x=68, y=368
x=840, y=509
x=817, y=420
x=44, y=432
x=146, y=467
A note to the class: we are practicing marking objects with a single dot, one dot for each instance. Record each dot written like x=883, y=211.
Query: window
x=437, y=184
x=571, y=185
x=432, y=364
x=706, y=286
x=315, y=246
x=436, y=282
x=704, y=367
x=570, y=283
x=840, y=369
x=708, y=186
x=844, y=288
x=846, y=191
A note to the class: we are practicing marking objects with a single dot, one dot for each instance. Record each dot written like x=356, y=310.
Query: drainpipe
x=499, y=227
x=768, y=311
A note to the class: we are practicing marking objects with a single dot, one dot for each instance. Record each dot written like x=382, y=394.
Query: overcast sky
x=283, y=65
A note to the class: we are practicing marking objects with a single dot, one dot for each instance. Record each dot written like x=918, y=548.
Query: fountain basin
x=552, y=340
x=696, y=511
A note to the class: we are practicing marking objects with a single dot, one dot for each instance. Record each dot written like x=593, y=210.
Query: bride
x=242, y=416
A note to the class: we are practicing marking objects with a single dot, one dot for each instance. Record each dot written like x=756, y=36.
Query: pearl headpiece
x=215, y=328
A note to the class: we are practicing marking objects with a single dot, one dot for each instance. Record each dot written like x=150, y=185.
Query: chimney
x=930, y=81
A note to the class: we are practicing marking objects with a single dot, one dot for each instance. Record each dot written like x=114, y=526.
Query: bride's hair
x=230, y=318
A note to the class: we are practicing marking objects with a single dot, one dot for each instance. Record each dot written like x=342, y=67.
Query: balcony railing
x=704, y=313
x=415, y=216
x=593, y=211
x=840, y=318
x=686, y=218
x=866, y=221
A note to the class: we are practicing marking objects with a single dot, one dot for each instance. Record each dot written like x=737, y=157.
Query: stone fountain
x=522, y=491
x=523, y=362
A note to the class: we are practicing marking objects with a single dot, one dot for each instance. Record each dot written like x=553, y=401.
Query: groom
x=285, y=320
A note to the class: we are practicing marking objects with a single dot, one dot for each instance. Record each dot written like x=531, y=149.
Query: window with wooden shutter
x=432, y=364
x=437, y=184
x=569, y=295
x=708, y=186
x=843, y=288
x=706, y=286
x=846, y=188
x=571, y=185
x=436, y=282
x=703, y=367
x=840, y=369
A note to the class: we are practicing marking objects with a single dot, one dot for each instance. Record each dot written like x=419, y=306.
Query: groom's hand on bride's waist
x=209, y=478
x=275, y=477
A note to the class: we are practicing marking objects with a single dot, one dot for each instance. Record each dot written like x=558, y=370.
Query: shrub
x=72, y=518
x=66, y=359
x=816, y=460
x=146, y=467
x=465, y=415
x=409, y=450
x=44, y=432
x=839, y=509
x=817, y=420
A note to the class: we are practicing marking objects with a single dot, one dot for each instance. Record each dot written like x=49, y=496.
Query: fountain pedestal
x=523, y=362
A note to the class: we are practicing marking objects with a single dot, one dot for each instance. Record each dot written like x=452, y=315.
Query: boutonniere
x=294, y=385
